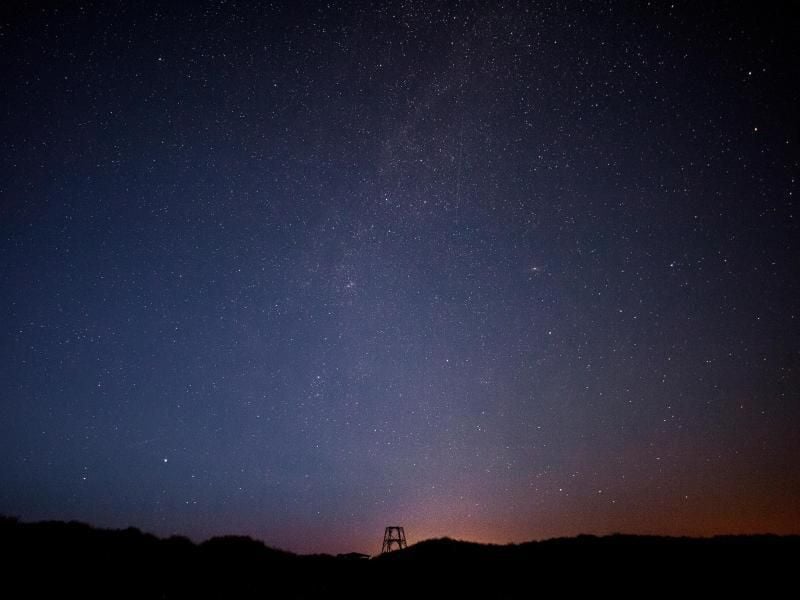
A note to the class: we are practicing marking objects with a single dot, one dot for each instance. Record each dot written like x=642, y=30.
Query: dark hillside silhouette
x=600, y=549
x=76, y=560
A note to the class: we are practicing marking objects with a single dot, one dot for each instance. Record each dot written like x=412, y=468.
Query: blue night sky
x=498, y=271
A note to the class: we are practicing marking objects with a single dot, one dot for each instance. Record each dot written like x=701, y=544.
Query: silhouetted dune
x=242, y=548
x=601, y=548
x=75, y=559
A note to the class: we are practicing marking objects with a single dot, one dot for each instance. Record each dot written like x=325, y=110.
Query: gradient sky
x=498, y=271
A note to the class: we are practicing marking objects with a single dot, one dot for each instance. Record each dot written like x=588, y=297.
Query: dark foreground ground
x=74, y=560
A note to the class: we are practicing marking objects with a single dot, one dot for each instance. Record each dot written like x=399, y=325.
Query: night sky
x=496, y=271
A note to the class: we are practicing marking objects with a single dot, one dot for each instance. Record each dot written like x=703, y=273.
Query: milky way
x=497, y=271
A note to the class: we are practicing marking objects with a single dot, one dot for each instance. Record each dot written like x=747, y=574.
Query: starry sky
x=494, y=270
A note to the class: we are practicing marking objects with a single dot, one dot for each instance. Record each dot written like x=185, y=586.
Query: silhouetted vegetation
x=76, y=560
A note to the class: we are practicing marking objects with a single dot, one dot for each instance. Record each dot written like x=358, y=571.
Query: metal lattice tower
x=393, y=536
